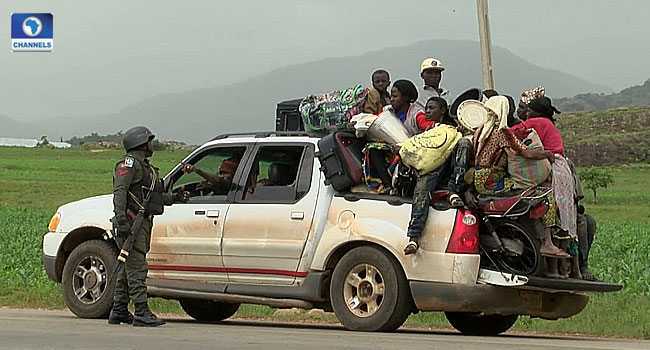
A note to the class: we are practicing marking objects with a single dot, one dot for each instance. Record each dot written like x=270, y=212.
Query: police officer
x=134, y=180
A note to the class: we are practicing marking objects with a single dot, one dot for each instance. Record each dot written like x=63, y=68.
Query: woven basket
x=472, y=114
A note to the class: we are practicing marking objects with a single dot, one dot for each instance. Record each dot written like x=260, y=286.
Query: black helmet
x=471, y=94
x=136, y=136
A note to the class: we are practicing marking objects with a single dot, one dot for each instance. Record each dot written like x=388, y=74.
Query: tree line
x=638, y=95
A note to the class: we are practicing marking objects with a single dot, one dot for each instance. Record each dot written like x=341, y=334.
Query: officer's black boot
x=144, y=317
x=120, y=314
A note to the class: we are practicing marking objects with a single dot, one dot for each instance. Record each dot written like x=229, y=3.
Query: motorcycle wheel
x=528, y=263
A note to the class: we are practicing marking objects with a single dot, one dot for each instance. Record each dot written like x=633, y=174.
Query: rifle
x=137, y=223
x=128, y=244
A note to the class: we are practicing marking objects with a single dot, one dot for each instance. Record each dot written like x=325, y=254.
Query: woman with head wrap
x=490, y=140
x=540, y=117
x=379, y=161
x=526, y=97
x=490, y=176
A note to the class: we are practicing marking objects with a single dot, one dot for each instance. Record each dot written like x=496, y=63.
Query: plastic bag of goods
x=429, y=150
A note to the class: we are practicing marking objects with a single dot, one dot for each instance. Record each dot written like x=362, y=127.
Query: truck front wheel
x=85, y=286
x=369, y=291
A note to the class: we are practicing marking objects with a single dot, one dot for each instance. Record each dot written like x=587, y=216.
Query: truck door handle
x=212, y=213
x=297, y=215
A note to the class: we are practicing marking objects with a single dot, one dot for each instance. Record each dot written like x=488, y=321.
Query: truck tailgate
x=571, y=285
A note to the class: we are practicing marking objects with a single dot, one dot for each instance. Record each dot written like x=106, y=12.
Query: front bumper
x=49, y=263
x=436, y=296
x=51, y=246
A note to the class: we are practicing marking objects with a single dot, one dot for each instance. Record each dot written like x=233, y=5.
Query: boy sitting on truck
x=378, y=95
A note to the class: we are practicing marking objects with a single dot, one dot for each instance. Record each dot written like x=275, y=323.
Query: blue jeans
x=452, y=173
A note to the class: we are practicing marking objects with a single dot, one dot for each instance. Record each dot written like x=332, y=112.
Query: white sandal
x=411, y=248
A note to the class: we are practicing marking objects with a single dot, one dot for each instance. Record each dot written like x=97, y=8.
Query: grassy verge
x=36, y=181
x=627, y=200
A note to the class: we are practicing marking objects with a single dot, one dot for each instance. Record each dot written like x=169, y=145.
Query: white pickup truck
x=281, y=237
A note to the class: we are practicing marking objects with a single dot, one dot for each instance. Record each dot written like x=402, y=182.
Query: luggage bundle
x=332, y=111
x=429, y=150
x=287, y=116
x=340, y=155
x=527, y=172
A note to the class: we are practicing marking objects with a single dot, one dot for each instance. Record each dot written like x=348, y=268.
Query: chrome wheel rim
x=363, y=290
x=89, y=279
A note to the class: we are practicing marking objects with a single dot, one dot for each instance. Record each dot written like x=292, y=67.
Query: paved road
x=35, y=329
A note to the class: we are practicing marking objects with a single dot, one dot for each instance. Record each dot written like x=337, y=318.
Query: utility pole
x=486, y=44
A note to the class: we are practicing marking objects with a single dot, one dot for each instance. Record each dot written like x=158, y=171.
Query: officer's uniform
x=136, y=187
x=133, y=175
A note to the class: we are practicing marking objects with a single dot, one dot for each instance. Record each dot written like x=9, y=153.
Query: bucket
x=387, y=128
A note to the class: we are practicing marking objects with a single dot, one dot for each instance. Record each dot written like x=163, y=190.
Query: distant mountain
x=638, y=95
x=196, y=116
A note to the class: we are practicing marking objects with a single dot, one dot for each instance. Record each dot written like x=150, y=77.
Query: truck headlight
x=54, y=222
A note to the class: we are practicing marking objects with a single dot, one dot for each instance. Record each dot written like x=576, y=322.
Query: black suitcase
x=287, y=116
x=340, y=156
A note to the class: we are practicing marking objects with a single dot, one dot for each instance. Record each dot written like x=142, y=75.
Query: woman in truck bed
x=379, y=160
x=540, y=117
x=490, y=170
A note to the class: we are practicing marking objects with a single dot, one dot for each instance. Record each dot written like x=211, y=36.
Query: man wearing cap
x=431, y=73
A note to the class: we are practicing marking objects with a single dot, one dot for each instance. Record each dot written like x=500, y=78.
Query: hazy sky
x=110, y=54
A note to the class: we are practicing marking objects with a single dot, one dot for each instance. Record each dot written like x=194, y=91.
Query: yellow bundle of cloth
x=429, y=150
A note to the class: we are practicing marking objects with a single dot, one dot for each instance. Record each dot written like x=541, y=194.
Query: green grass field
x=35, y=182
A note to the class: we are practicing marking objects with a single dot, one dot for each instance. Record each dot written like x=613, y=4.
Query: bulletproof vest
x=150, y=186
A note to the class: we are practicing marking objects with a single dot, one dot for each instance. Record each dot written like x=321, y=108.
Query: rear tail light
x=54, y=222
x=464, y=237
x=539, y=210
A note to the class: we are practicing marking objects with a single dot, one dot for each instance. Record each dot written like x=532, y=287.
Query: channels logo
x=32, y=32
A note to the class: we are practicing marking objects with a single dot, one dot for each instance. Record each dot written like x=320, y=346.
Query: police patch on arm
x=122, y=169
x=125, y=167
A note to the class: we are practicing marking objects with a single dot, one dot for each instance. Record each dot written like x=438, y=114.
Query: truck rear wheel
x=208, y=310
x=369, y=291
x=476, y=323
x=85, y=286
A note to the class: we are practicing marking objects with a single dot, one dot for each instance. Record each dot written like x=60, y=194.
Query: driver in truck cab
x=218, y=183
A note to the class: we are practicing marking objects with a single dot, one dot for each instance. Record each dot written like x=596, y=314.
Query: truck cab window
x=208, y=177
x=279, y=174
